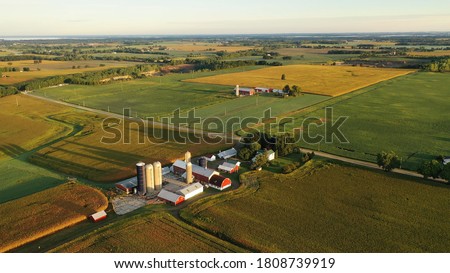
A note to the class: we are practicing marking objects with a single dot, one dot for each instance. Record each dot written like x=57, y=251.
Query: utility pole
x=17, y=102
x=108, y=108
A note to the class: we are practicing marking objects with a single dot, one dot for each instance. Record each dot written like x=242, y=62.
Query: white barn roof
x=98, y=215
x=195, y=168
x=228, y=167
x=228, y=153
x=191, y=188
x=169, y=196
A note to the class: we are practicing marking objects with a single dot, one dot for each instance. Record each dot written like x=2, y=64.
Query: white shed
x=191, y=190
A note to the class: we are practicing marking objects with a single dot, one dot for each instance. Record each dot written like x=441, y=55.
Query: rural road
x=236, y=138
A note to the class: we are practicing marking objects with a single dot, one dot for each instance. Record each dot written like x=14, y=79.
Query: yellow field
x=35, y=216
x=315, y=79
x=52, y=68
x=27, y=126
x=204, y=47
x=155, y=233
x=438, y=53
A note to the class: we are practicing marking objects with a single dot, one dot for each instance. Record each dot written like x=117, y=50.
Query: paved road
x=234, y=138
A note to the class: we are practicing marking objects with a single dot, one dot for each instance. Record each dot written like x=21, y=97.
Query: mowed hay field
x=324, y=207
x=156, y=233
x=53, y=68
x=404, y=115
x=43, y=213
x=316, y=79
x=26, y=124
x=437, y=53
x=151, y=97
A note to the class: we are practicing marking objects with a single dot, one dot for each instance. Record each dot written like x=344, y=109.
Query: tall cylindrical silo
x=140, y=171
x=149, y=177
x=157, y=170
x=189, y=173
x=187, y=157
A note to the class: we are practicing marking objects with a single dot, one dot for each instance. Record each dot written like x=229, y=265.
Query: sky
x=158, y=17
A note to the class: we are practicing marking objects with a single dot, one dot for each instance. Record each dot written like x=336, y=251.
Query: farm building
x=230, y=167
x=200, y=174
x=219, y=182
x=278, y=91
x=165, y=170
x=228, y=153
x=210, y=158
x=270, y=155
x=263, y=90
x=97, y=217
x=191, y=190
x=172, y=198
x=244, y=91
x=128, y=185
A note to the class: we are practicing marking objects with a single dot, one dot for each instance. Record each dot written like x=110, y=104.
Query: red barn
x=170, y=197
x=229, y=167
x=200, y=174
x=219, y=182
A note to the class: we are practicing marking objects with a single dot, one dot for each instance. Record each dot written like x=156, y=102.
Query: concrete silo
x=150, y=178
x=140, y=173
x=237, y=91
x=157, y=170
x=189, y=173
x=187, y=157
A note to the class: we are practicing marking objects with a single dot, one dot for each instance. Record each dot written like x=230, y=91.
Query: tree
x=445, y=174
x=295, y=91
x=254, y=147
x=26, y=69
x=388, y=161
x=245, y=154
x=260, y=160
x=431, y=168
x=283, y=77
x=287, y=89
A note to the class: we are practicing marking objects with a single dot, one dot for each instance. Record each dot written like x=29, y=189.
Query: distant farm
x=321, y=80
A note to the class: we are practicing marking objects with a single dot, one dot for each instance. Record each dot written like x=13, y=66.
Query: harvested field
x=46, y=212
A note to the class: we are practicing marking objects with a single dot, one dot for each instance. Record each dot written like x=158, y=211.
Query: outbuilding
x=210, y=158
x=128, y=185
x=446, y=160
x=263, y=90
x=228, y=153
x=245, y=91
x=97, y=217
x=229, y=167
x=219, y=182
x=170, y=197
x=191, y=190
x=199, y=173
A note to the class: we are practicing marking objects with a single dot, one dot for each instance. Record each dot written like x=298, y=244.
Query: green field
x=255, y=106
x=406, y=115
x=155, y=96
x=324, y=207
x=155, y=233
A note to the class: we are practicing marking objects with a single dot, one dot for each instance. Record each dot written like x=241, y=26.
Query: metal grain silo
x=189, y=173
x=149, y=177
x=203, y=162
x=140, y=171
x=187, y=157
x=157, y=170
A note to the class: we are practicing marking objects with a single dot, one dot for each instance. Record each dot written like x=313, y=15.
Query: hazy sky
x=146, y=17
